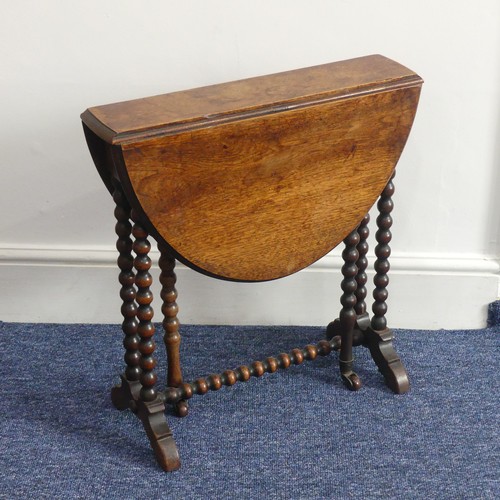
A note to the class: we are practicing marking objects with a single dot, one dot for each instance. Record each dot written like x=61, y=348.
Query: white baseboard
x=79, y=285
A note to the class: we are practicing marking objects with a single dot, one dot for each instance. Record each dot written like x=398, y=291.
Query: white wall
x=60, y=57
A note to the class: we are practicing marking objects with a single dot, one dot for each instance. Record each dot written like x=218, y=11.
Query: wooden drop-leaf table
x=250, y=181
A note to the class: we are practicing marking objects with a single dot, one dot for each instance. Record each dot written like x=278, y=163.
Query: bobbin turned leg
x=172, y=337
x=150, y=408
x=124, y=395
x=362, y=318
x=347, y=317
x=377, y=337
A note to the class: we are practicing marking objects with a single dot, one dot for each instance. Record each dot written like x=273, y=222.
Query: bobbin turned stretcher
x=251, y=181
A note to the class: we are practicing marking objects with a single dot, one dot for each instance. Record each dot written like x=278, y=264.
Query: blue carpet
x=295, y=434
x=494, y=313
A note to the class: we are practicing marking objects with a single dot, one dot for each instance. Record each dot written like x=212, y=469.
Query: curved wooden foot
x=387, y=359
x=333, y=330
x=152, y=415
x=125, y=395
x=381, y=349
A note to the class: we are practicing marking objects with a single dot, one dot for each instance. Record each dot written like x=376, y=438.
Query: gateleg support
x=347, y=317
x=150, y=407
x=377, y=337
x=123, y=395
x=172, y=337
x=354, y=326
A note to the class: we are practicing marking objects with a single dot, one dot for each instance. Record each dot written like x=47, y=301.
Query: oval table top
x=257, y=179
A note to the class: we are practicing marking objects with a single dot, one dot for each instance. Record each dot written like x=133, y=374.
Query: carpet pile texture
x=293, y=434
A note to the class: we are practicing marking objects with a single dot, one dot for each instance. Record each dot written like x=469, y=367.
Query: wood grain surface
x=256, y=179
x=125, y=121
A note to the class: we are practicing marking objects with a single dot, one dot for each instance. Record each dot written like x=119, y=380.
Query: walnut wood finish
x=386, y=358
x=361, y=265
x=260, y=162
x=382, y=251
x=152, y=415
x=144, y=297
x=172, y=337
x=243, y=373
x=121, y=395
x=283, y=167
x=128, y=292
x=207, y=106
x=364, y=331
x=347, y=316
